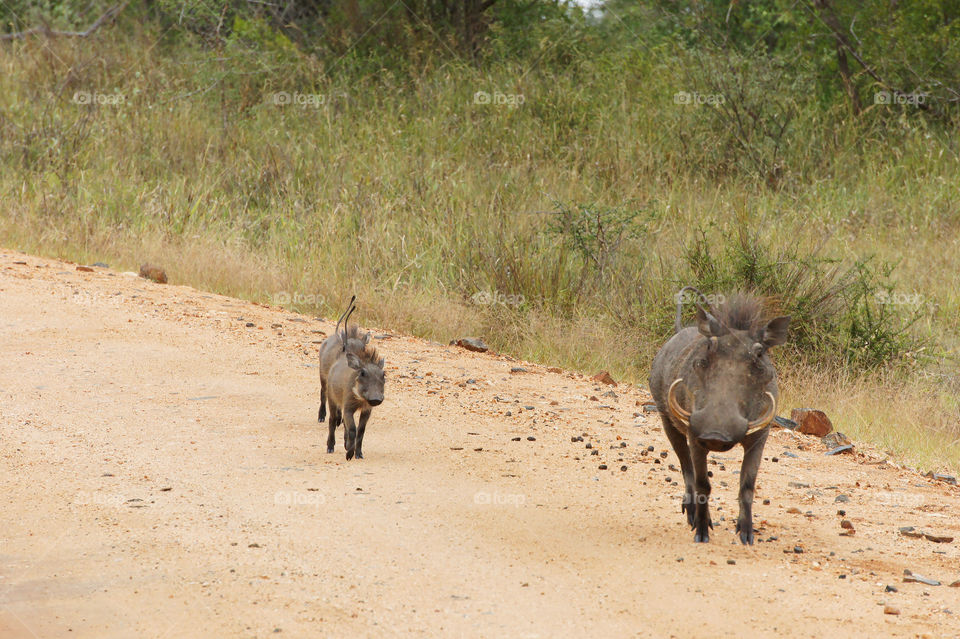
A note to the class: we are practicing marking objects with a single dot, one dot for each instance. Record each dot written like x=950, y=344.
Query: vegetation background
x=540, y=173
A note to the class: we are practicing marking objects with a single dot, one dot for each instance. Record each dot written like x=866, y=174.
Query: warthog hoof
x=349, y=455
x=687, y=507
x=329, y=449
x=746, y=533
x=359, y=455
x=322, y=415
x=703, y=530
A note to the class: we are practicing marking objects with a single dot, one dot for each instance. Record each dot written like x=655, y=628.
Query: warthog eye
x=363, y=373
x=700, y=363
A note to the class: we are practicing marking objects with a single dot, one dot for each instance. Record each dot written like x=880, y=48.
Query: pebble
x=594, y=452
x=518, y=369
x=890, y=610
x=515, y=439
x=787, y=453
x=589, y=445
x=602, y=466
x=663, y=455
x=766, y=502
x=912, y=577
x=624, y=469
x=650, y=448
x=731, y=562
x=890, y=589
x=531, y=438
x=841, y=499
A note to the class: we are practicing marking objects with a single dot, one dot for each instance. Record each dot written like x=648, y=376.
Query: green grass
x=404, y=190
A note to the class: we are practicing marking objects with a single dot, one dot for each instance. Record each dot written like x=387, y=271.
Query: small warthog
x=719, y=370
x=355, y=381
x=331, y=349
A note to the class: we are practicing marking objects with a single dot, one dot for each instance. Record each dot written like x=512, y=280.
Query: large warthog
x=351, y=380
x=715, y=387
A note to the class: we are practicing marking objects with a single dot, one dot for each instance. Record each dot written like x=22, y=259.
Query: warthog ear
x=353, y=361
x=708, y=324
x=366, y=339
x=380, y=363
x=775, y=333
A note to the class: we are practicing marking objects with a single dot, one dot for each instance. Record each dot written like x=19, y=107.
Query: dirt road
x=162, y=474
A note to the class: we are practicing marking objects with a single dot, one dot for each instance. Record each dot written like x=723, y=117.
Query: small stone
x=249, y=324
x=515, y=439
x=528, y=407
x=623, y=469
x=664, y=454
x=841, y=499
x=793, y=510
x=509, y=413
x=518, y=369
x=602, y=466
x=604, y=377
x=955, y=584
x=589, y=445
x=594, y=452
x=531, y=438
x=650, y=448
x=890, y=610
x=787, y=453
x=474, y=344
x=731, y=562
x=798, y=550
x=766, y=502
x=846, y=448
x=774, y=460
x=912, y=577
x=623, y=444
x=842, y=513
x=890, y=589
x=939, y=539
x=832, y=440
x=155, y=273
x=910, y=531
x=85, y=269
x=811, y=421
x=796, y=484
x=101, y=265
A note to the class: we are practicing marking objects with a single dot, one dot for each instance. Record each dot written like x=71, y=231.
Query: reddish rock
x=554, y=369
x=811, y=421
x=85, y=269
x=155, y=273
x=604, y=377
x=474, y=344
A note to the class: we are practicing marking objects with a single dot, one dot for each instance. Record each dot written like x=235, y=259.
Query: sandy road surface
x=162, y=474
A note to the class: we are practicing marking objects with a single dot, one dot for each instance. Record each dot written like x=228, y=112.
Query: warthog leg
x=679, y=442
x=333, y=423
x=323, y=401
x=701, y=493
x=753, y=453
x=364, y=416
x=349, y=433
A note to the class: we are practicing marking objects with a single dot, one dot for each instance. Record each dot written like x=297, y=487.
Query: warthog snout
x=375, y=401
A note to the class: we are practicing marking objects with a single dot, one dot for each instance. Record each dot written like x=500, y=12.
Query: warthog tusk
x=676, y=410
x=764, y=421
